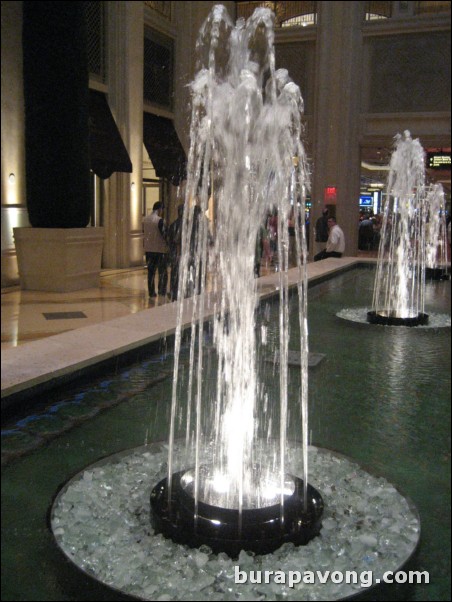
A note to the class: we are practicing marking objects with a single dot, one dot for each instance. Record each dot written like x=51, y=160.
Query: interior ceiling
x=373, y=158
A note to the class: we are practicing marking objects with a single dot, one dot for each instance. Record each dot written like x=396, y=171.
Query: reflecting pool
x=381, y=396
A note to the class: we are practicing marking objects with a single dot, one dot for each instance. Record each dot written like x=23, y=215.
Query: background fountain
x=246, y=157
x=400, y=277
x=413, y=245
x=436, y=252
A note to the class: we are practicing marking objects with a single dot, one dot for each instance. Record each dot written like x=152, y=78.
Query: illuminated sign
x=438, y=160
x=366, y=201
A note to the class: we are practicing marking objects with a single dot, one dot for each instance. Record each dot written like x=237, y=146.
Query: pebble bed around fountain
x=100, y=521
x=359, y=314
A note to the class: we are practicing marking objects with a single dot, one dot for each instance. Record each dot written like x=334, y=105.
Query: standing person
x=156, y=249
x=266, y=248
x=175, y=246
x=261, y=238
x=292, y=239
x=448, y=222
x=195, y=257
x=272, y=228
x=366, y=233
x=335, y=245
x=321, y=230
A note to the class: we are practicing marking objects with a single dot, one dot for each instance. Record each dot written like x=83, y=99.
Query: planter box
x=58, y=259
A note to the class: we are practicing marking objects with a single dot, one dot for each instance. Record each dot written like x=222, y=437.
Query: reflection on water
x=381, y=395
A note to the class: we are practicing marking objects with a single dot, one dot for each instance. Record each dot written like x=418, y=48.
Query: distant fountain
x=246, y=154
x=400, y=277
x=436, y=251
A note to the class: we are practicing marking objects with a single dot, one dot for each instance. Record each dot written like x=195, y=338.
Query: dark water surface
x=381, y=396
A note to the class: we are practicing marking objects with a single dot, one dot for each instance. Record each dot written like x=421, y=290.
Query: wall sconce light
x=11, y=178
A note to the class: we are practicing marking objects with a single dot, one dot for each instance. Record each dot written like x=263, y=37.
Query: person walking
x=156, y=249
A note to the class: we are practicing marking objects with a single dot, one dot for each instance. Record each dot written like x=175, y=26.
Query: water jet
x=247, y=160
x=413, y=230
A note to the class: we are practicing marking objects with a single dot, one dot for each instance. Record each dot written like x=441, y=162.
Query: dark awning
x=165, y=150
x=107, y=150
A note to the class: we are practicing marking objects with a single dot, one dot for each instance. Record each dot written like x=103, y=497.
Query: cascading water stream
x=246, y=159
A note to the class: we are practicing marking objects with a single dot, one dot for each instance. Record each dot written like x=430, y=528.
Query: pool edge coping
x=26, y=371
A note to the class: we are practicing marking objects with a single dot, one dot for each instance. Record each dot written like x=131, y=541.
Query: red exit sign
x=330, y=195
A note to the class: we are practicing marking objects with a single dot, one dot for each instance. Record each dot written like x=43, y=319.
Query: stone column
x=123, y=240
x=13, y=199
x=336, y=154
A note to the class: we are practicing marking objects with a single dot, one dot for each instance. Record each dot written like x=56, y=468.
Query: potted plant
x=58, y=252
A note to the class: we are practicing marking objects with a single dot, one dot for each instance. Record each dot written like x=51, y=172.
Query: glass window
x=378, y=10
x=95, y=33
x=158, y=69
x=423, y=8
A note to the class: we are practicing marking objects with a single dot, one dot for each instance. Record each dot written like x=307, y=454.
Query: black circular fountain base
x=436, y=274
x=259, y=530
x=388, y=318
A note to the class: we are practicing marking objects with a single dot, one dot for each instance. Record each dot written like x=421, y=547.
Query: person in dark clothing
x=366, y=234
x=156, y=249
x=174, y=238
x=195, y=264
x=321, y=227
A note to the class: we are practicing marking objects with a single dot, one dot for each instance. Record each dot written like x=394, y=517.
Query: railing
x=288, y=14
x=429, y=8
x=378, y=10
x=384, y=10
x=95, y=27
x=162, y=8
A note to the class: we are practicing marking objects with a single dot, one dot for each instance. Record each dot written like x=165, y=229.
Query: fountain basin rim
x=157, y=447
x=358, y=317
x=437, y=273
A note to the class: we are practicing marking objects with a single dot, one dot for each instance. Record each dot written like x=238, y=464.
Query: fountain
x=246, y=153
x=400, y=277
x=230, y=484
x=413, y=244
x=436, y=252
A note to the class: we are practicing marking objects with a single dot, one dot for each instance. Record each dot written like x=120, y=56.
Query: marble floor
x=32, y=315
